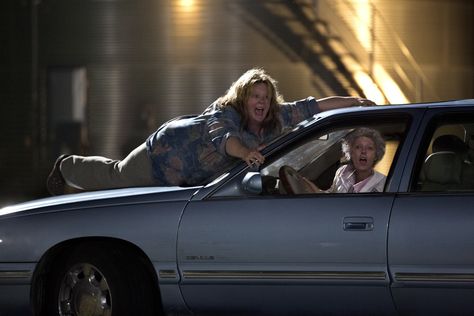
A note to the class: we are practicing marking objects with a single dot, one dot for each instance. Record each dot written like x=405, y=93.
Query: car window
x=446, y=161
x=319, y=156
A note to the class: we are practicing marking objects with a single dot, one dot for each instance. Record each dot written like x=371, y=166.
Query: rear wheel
x=95, y=280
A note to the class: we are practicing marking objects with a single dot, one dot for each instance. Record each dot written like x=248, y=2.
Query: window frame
x=232, y=188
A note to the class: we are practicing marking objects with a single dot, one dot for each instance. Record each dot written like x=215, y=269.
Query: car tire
x=96, y=279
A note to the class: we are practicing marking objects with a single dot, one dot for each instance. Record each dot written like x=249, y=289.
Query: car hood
x=105, y=197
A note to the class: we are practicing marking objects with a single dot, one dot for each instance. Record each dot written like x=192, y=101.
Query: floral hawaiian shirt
x=191, y=150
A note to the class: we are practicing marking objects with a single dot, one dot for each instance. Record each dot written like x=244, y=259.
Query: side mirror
x=252, y=183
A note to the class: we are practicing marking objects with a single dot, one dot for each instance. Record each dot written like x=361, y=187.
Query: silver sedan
x=242, y=245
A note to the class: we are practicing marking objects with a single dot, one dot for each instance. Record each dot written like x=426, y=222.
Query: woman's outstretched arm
x=336, y=102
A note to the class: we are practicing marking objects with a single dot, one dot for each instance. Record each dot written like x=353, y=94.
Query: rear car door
x=431, y=235
x=278, y=254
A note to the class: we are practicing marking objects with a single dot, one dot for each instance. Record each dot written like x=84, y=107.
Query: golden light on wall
x=369, y=87
x=366, y=83
x=186, y=5
x=389, y=87
x=362, y=23
x=186, y=24
x=380, y=87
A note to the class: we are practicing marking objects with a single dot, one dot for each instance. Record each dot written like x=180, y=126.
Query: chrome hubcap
x=84, y=291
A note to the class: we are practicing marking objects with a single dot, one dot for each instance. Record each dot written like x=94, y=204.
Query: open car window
x=318, y=157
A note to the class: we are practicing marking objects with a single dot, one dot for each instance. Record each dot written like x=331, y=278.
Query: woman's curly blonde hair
x=239, y=92
x=373, y=134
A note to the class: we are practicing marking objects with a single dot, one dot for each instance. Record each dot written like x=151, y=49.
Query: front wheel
x=95, y=280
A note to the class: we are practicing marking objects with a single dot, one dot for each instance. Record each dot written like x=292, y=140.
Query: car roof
x=388, y=108
x=451, y=103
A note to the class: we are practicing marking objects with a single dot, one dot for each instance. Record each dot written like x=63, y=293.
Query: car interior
x=449, y=161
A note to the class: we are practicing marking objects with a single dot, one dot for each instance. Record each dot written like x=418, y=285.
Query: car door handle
x=358, y=223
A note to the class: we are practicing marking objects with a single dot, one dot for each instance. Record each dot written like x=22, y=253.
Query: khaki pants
x=97, y=173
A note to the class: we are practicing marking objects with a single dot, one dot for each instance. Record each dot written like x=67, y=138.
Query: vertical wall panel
x=151, y=60
x=18, y=141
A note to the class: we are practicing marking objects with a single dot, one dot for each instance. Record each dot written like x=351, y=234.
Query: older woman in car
x=362, y=148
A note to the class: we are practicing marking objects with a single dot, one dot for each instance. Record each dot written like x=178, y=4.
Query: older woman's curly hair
x=239, y=92
x=373, y=134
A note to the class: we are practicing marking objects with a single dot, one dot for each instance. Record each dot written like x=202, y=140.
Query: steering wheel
x=294, y=183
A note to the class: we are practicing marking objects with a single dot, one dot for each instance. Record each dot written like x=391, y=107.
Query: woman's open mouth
x=259, y=112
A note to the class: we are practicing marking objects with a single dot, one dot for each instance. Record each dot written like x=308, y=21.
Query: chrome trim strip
x=434, y=277
x=167, y=274
x=8, y=275
x=299, y=275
